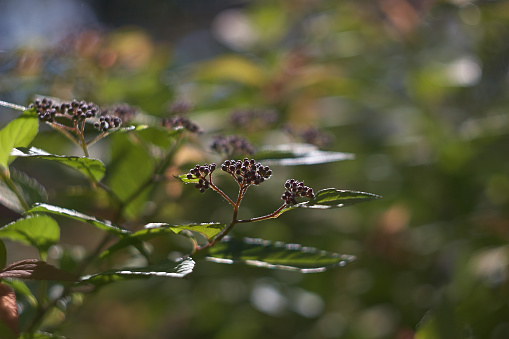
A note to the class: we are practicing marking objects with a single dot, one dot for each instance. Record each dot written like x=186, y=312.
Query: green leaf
x=275, y=255
x=298, y=154
x=91, y=168
x=165, y=269
x=18, y=133
x=36, y=270
x=159, y=136
x=152, y=230
x=334, y=198
x=30, y=188
x=39, y=231
x=130, y=168
x=21, y=289
x=186, y=180
x=104, y=225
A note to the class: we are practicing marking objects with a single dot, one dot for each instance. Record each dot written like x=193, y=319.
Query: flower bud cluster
x=180, y=121
x=107, y=122
x=247, y=171
x=231, y=145
x=296, y=189
x=201, y=172
x=47, y=110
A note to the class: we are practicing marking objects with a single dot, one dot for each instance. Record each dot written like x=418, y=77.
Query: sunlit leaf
x=186, y=180
x=36, y=270
x=150, y=231
x=159, y=136
x=18, y=133
x=104, y=225
x=91, y=168
x=275, y=255
x=168, y=268
x=334, y=198
x=40, y=231
x=298, y=154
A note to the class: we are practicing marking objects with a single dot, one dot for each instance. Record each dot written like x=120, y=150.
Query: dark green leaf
x=166, y=269
x=31, y=190
x=91, y=168
x=150, y=231
x=18, y=133
x=35, y=270
x=298, y=154
x=158, y=135
x=275, y=255
x=104, y=225
x=130, y=168
x=39, y=231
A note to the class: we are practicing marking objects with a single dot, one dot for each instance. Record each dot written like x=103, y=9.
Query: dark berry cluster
x=201, y=172
x=253, y=119
x=180, y=121
x=247, y=171
x=296, y=189
x=47, y=110
x=123, y=111
x=231, y=145
x=310, y=135
x=107, y=122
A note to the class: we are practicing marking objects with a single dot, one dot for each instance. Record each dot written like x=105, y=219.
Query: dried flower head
x=180, y=107
x=310, y=135
x=123, y=111
x=253, y=119
x=296, y=189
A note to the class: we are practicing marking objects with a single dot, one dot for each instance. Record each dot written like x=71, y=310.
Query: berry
x=231, y=145
x=247, y=172
x=296, y=189
x=201, y=173
x=181, y=122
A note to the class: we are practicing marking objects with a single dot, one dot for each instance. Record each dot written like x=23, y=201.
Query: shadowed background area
x=417, y=90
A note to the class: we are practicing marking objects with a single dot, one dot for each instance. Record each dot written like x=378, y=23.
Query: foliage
x=414, y=89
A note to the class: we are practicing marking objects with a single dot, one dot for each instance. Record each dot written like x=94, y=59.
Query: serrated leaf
x=334, y=198
x=30, y=188
x=104, y=225
x=21, y=289
x=152, y=230
x=298, y=154
x=18, y=133
x=36, y=270
x=91, y=168
x=40, y=231
x=275, y=255
x=168, y=268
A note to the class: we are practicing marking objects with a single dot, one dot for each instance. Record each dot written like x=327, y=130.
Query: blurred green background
x=417, y=90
